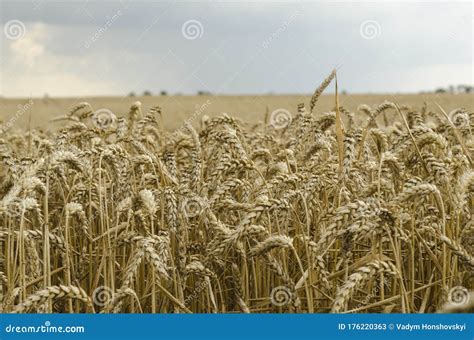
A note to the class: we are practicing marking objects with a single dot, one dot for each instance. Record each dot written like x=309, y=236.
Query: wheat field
x=367, y=208
x=38, y=112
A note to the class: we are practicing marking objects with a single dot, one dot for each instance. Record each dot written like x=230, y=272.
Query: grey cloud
x=251, y=47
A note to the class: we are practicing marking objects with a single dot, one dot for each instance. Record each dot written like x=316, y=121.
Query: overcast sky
x=74, y=48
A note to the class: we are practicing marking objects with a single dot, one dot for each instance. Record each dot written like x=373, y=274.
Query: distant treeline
x=450, y=89
x=455, y=89
x=164, y=93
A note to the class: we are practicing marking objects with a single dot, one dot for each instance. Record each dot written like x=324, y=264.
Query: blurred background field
x=176, y=109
